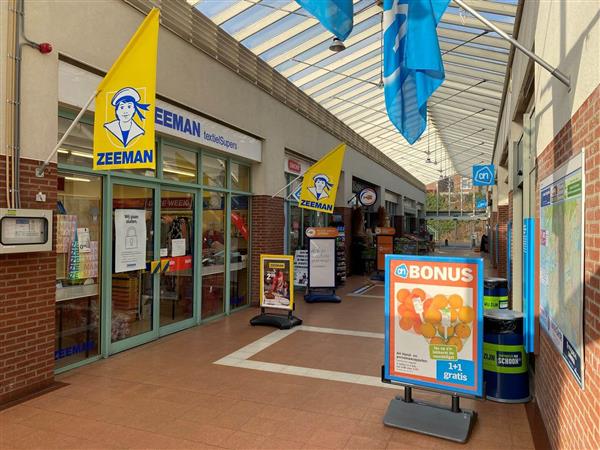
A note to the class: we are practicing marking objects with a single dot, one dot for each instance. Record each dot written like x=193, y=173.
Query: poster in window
x=130, y=240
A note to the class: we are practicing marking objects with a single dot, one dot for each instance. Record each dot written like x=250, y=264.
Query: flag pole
x=39, y=172
x=564, y=79
x=289, y=184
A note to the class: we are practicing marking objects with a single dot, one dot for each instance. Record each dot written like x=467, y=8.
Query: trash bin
x=495, y=293
x=504, y=359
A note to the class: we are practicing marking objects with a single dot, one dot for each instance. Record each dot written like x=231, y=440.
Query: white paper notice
x=130, y=239
x=83, y=236
x=164, y=252
x=177, y=247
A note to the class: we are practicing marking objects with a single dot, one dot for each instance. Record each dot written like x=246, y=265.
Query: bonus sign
x=434, y=322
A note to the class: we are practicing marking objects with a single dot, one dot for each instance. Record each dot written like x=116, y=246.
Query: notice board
x=321, y=263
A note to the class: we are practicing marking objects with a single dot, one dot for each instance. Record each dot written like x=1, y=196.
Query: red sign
x=322, y=232
x=385, y=246
x=294, y=166
x=389, y=231
x=178, y=263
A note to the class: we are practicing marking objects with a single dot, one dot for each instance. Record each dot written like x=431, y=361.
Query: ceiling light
x=77, y=179
x=337, y=45
x=179, y=172
x=82, y=154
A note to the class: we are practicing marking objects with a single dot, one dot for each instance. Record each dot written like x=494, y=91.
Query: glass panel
x=179, y=165
x=133, y=247
x=214, y=171
x=213, y=251
x=77, y=148
x=238, y=290
x=295, y=228
x=240, y=177
x=78, y=245
x=176, y=246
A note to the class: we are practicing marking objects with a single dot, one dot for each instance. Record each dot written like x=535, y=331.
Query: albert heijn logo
x=483, y=175
x=402, y=271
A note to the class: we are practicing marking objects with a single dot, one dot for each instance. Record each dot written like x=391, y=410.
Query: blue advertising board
x=434, y=323
x=483, y=175
x=529, y=277
x=481, y=203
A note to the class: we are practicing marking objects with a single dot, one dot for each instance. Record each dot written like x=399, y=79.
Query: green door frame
x=134, y=341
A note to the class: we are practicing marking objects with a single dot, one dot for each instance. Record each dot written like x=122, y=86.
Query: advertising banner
x=561, y=259
x=434, y=322
x=529, y=275
x=483, y=175
x=130, y=240
x=320, y=182
x=124, y=115
x=276, y=283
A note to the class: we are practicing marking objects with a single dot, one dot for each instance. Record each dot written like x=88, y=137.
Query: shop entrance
x=152, y=275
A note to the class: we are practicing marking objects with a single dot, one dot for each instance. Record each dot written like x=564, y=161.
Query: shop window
x=213, y=254
x=240, y=177
x=78, y=254
x=179, y=165
x=214, y=171
x=240, y=234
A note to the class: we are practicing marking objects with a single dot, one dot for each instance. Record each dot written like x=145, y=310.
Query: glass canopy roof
x=463, y=112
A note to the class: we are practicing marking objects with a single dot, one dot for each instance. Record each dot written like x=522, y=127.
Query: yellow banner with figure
x=124, y=117
x=320, y=183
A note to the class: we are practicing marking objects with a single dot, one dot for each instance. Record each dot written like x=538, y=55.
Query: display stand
x=281, y=321
x=321, y=266
x=384, y=244
x=454, y=424
x=276, y=293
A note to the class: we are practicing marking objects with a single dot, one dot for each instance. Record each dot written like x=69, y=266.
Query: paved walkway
x=271, y=390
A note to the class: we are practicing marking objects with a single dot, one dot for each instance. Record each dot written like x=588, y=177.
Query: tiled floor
x=171, y=394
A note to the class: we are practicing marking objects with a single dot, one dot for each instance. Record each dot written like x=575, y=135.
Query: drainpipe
x=43, y=48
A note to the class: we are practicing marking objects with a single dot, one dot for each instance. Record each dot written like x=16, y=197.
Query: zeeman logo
x=444, y=273
x=321, y=186
x=127, y=104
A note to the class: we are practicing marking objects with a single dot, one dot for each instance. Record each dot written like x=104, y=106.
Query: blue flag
x=335, y=15
x=412, y=63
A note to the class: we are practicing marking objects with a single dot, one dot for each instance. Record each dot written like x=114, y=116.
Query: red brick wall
x=572, y=415
x=27, y=297
x=502, y=239
x=268, y=228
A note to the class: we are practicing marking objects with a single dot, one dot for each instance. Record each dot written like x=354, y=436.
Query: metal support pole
x=39, y=172
x=564, y=79
x=455, y=404
x=408, y=394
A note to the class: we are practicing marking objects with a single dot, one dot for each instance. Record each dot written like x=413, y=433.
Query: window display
x=213, y=254
x=78, y=244
x=240, y=234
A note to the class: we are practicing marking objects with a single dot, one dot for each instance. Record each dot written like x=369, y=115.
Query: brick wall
x=572, y=415
x=27, y=298
x=502, y=239
x=268, y=228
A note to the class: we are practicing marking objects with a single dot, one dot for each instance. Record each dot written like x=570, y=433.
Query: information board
x=434, y=322
x=301, y=268
x=321, y=262
x=562, y=212
x=276, y=284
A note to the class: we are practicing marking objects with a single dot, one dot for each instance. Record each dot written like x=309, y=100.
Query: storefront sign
x=367, y=197
x=483, y=175
x=130, y=240
x=276, y=286
x=385, y=231
x=294, y=166
x=322, y=232
x=74, y=349
x=301, y=268
x=561, y=259
x=433, y=322
x=75, y=86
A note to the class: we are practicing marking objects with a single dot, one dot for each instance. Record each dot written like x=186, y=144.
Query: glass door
x=177, y=256
x=135, y=266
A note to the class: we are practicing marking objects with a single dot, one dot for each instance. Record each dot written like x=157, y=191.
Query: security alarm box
x=25, y=230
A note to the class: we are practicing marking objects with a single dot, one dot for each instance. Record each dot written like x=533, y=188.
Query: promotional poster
x=434, y=322
x=276, y=281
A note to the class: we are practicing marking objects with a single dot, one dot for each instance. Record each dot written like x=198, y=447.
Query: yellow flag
x=124, y=117
x=320, y=182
